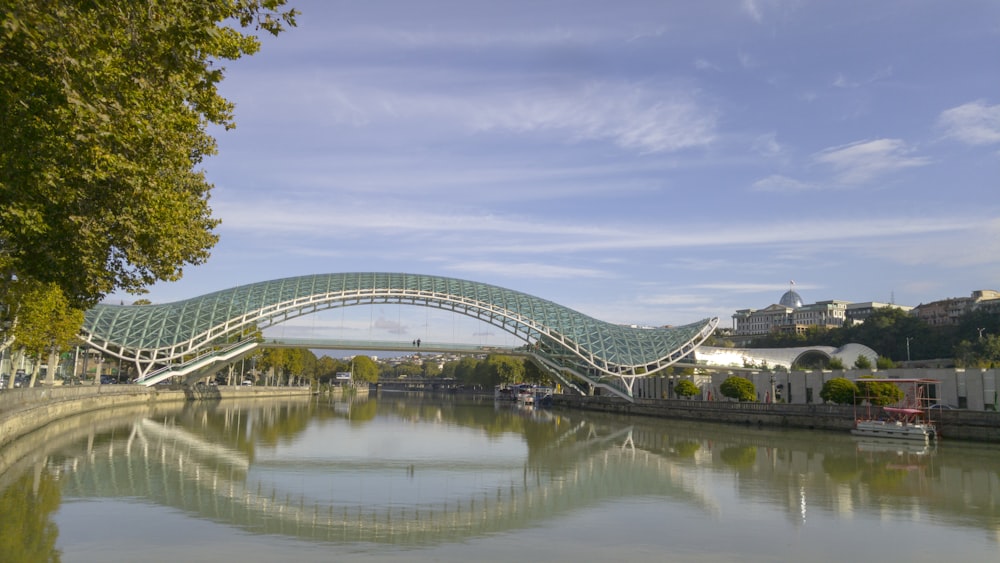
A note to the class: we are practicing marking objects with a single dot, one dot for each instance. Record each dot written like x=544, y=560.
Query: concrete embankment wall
x=951, y=424
x=25, y=410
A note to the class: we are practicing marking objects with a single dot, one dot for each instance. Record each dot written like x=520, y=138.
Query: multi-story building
x=789, y=315
x=947, y=312
x=858, y=312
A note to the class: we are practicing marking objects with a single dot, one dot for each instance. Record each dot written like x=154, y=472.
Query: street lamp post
x=908, y=339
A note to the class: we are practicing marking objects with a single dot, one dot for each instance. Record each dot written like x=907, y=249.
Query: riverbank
x=952, y=424
x=23, y=411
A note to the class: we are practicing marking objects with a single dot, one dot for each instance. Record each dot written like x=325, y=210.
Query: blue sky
x=648, y=162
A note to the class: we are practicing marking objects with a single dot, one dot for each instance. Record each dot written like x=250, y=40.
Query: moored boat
x=900, y=423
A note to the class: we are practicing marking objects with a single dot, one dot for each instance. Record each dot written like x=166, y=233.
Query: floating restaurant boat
x=899, y=423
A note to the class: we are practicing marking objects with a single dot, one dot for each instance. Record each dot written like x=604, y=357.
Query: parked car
x=942, y=407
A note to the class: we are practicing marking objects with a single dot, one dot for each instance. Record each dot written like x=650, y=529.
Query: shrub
x=739, y=388
x=879, y=393
x=839, y=390
x=685, y=388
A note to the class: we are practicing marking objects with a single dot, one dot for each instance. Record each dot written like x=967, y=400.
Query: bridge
x=191, y=338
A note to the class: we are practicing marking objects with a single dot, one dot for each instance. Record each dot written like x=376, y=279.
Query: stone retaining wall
x=26, y=410
x=951, y=424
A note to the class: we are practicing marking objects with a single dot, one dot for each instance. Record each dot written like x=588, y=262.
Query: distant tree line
x=288, y=366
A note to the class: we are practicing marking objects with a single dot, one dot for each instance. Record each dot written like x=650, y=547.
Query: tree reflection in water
x=27, y=532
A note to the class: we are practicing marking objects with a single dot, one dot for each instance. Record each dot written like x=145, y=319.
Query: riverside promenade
x=23, y=411
x=957, y=424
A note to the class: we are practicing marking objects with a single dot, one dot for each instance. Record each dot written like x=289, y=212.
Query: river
x=411, y=478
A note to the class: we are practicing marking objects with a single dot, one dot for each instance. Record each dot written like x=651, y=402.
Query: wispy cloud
x=974, y=123
x=755, y=287
x=782, y=184
x=528, y=270
x=642, y=117
x=767, y=145
x=752, y=9
x=631, y=116
x=860, y=162
x=508, y=234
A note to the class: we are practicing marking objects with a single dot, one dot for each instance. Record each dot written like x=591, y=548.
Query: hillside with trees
x=973, y=342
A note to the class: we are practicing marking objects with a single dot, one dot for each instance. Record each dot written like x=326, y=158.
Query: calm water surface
x=404, y=478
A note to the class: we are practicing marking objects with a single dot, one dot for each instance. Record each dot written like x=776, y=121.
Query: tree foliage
x=104, y=113
x=364, y=369
x=884, y=362
x=508, y=369
x=686, y=388
x=839, y=390
x=46, y=323
x=862, y=362
x=879, y=393
x=887, y=331
x=739, y=388
x=979, y=353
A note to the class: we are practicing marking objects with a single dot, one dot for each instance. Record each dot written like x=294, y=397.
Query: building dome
x=791, y=299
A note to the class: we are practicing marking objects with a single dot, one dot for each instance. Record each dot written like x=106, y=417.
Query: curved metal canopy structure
x=561, y=338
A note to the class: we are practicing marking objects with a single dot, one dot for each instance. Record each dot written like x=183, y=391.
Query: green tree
x=835, y=364
x=430, y=368
x=465, y=370
x=739, y=388
x=839, y=390
x=365, y=369
x=105, y=109
x=686, y=388
x=47, y=325
x=884, y=362
x=879, y=393
x=979, y=353
x=862, y=362
x=507, y=369
x=534, y=374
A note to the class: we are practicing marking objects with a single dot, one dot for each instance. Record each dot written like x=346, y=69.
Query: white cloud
x=767, y=145
x=633, y=117
x=676, y=299
x=860, y=162
x=779, y=183
x=753, y=10
x=974, y=123
x=705, y=64
x=508, y=234
x=755, y=287
x=528, y=270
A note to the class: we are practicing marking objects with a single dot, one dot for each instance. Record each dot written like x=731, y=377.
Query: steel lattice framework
x=564, y=339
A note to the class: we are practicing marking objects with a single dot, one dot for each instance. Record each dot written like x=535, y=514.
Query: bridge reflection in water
x=245, y=466
x=168, y=465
